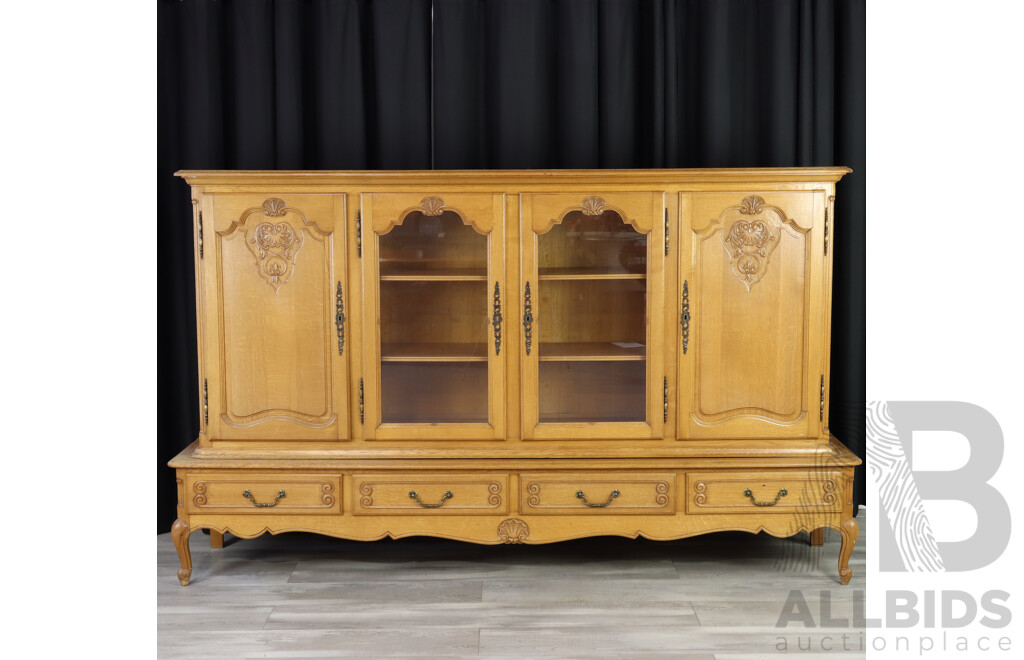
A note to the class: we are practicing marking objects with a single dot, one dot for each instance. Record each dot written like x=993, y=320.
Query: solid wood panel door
x=434, y=305
x=591, y=307
x=274, y=301
x=751, y=311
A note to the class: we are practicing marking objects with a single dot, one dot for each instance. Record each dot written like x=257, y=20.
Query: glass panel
x=439, y=245
x=434, y=322
x=590, y=245
x=591, y=311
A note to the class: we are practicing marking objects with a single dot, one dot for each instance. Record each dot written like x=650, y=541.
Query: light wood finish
x=216, y=540
x=434, y=391
x=817, y=537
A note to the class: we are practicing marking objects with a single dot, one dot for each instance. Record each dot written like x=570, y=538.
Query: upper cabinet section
x=273, y=305
x=752, y=315
x=433, y=297
x=592, y=354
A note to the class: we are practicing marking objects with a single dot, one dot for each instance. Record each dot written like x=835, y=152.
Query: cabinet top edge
x=499, y=177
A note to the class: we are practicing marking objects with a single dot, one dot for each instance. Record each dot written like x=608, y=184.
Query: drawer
x=764, y=491
x=263, y=492
x=597, y=493
x=430, y=494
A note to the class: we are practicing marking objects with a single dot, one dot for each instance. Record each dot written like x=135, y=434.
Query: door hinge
x=360, y=400
x=666, y=399
x=821, y=402
x=666, y=232
x=206, y=404
x=200, y=234
x=359, y=234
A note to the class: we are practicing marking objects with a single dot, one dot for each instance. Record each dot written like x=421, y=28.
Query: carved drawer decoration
x=597, y=493
x=765, y=491
x=430, y=494
x=265, y=493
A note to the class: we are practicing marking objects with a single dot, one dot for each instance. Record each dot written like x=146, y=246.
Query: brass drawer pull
x=782, y=493
x=581, y=496
x=444, y=498
x=248, y=494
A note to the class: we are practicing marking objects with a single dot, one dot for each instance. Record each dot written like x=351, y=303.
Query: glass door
x=432, y=269
x=591, y=300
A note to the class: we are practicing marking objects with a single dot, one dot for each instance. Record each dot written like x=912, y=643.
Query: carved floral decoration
x=275, y=245
x=750, y=243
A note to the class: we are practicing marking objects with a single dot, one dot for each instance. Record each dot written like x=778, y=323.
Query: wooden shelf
x=433, y=352
x=589, y=352
x=432, y=275
x=587, y=274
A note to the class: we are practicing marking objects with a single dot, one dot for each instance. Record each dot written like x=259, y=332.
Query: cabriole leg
x=216, y=539
x=179, y=534
x=850, y=531
x=818, y=536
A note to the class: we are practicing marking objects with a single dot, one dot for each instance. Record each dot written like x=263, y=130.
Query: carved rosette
x=328, y=494
x=751, y=243
x=513, y=530
x=366, y=490
x=701, y=496
x=661, y=493
x=199, y=488
x=494, y=499
x=431, y=206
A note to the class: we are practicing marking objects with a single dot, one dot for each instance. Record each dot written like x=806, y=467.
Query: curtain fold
x=464, y=84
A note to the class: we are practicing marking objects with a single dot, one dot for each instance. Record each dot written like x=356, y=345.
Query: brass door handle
x=248, y=494
x=782, y=493
x=339, y=318
x=612, y=496
x=496, y=319
x=528, y=318
x=444, y=498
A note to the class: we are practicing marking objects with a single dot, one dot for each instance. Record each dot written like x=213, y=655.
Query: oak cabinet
x=514, y=357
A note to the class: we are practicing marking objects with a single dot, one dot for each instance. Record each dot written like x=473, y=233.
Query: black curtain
x=462, y=84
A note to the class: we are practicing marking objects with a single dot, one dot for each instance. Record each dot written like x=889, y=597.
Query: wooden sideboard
x=514, y=356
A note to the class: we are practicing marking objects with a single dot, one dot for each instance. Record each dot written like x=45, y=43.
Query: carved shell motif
x=432, y=206
x=593, y=206
x=275, y=245
x=750, y=243
x=513, y=530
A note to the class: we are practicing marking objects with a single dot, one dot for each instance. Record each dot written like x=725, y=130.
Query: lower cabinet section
x=506, y=505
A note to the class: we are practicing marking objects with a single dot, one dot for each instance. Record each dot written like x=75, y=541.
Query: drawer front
x=430, y=494
x=266, y=493
x=597, y=493
x=764, y=491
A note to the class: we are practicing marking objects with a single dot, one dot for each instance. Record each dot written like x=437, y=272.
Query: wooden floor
x=304, y=596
